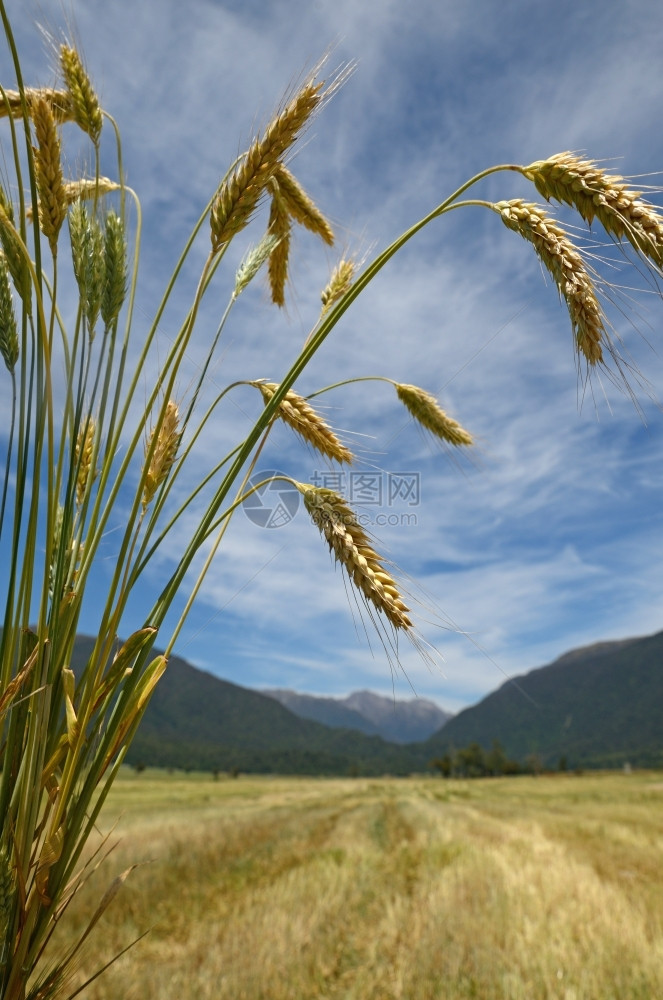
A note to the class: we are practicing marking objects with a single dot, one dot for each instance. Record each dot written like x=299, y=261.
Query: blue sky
x=550, y=537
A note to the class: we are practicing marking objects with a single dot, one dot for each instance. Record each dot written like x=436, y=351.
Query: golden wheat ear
x=11, y=104
x=351, y=547
x=297, y=413
x=596, y=193
x=48, y=169
x=83, y=98
x=425, y=409
x=86, y=188
x=8, y=328
x=564, y=262
x=163, y=452
x=301, y=207
x=239, y=195
x=83, y=457
x=338, y=284
x=279, y=227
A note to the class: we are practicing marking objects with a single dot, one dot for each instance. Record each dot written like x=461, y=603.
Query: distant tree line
x=473, y=761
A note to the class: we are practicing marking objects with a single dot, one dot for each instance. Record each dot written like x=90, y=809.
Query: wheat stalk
x=305, y=421
x=239, y=194
x=565, y=264
x=338, y=524
x=596, y=193
x=425, y=409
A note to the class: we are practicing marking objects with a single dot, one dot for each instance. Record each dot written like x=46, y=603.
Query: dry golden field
x=289, y=889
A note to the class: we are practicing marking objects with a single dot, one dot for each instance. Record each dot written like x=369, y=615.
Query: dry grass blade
x=48, y=166
x=596, y=193
x=565, y=264
x=49, y=855
x=300, y=415
x=55, y=985
x=425, y=409
x=16, y=683
x=240, y=193
x=351, y=546
x=106, y=900
x=302, y=208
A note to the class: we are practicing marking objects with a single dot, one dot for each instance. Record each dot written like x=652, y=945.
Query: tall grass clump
x=101, y=451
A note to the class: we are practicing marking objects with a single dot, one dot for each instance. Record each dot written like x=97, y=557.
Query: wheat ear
x=596, y=193
x=48, y=168
x=338, y=524
x=115, y=269
x=58, y=523
x=279, y=227
x=88, y=256
x=84, y=189
x=252, y=261
x=83, y=458
x=300, y=415
x=163, y=452
x=565, y=264
x=15, y=253
x=425, y=409
x=84, y=101
x=302, y=208
x=338, y=284
x=59, y=100
x=239, y=194
x=8, y=328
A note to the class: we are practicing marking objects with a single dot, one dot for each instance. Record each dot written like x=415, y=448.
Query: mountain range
x=598, y=706
x=397, y=721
